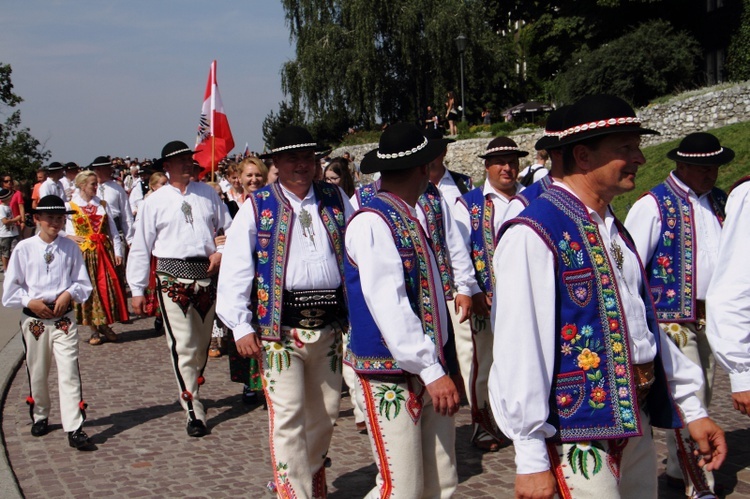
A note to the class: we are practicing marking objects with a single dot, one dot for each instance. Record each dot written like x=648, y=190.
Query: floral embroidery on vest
x=481, y=214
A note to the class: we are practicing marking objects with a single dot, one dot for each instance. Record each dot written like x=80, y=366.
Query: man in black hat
x=115, y=196
x=479, y=214
x=178, y=224
x=68, y=180
x=400, y=325
x=581, y=369
x=281, y=294
x=52, y=186
x=676, y=228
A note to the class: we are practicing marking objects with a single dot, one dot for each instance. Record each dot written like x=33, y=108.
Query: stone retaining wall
x=700, y=110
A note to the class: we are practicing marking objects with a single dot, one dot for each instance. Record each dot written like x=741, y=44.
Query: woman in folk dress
x=93, y=228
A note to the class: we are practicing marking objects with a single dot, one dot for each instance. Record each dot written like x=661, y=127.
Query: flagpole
x=213, y=157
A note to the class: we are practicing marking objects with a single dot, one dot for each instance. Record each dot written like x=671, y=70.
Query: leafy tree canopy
x=20, y=153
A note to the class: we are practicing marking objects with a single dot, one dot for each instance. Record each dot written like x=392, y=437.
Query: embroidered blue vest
x=274, y=218
x=593, y=393
x=367, y=351
x=672, y=266
x=482, y=238
x=430, y=204
x=535, y=190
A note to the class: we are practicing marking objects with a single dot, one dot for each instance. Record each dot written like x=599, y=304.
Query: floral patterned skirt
x=107, y=303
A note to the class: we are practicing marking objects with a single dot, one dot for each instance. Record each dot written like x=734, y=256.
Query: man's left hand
x=214, y=261
x=462, y=306
x=712, y=446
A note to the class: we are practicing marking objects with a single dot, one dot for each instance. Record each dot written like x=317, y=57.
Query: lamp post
x=461, y=45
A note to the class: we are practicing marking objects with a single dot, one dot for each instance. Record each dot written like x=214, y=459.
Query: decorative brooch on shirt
x=101, y=191
x=49, y=257
x=187, y=211
x=306, y=220
x=619, y=260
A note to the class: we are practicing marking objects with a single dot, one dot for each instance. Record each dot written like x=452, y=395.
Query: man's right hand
x=249, y=346
x=137, y=302
x=540, y=485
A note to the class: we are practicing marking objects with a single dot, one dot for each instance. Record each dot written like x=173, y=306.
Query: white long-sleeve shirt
x=311, y=262
x=463, y=269
x=119, y=205
x=165, y=230
x=100, y=210
x=645, y=226
x=29, y=277
x=369, y=244
x=50, y=187
x=728, y=298
x=523, y=321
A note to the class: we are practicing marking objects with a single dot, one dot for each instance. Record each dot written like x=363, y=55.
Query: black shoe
x=40, y=428
x=249, y=397
x=196, y=428
x=78, y=439
x=158, y=324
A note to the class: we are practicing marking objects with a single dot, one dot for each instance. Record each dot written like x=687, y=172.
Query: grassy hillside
x=657, y=166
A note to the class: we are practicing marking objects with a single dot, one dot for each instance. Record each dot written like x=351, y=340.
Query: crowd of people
x=568, y=333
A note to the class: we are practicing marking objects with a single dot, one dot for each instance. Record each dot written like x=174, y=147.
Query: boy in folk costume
x=45, y=276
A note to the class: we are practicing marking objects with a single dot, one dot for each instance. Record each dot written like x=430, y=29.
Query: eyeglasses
x=7, y=180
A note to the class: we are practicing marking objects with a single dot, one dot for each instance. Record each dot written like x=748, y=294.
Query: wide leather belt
x=189, y=268
x=312, y=309
x=643, y=375
x=700, y=311
x=51, y=306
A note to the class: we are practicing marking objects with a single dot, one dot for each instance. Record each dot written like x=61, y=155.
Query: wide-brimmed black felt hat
x=171, y=150
x=72, y=166
x=100, y=161
x=54, y=205
x=701, y=148
x=552, y=130
x=597, y=115
x=401, y=146
x=55, y=166
x=500, y=146
x=293, y=138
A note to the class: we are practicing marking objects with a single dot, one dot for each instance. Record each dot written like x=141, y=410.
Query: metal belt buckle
x=312, y=318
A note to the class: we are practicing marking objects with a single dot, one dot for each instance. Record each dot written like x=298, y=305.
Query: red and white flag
x=214, y=139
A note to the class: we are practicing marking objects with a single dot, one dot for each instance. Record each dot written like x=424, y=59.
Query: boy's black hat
x=5, y=194
x=54, y=205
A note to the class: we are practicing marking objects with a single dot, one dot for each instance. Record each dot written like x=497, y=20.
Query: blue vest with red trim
x=367, y=351
x=432, y=208
x=593, y=392
x=535, y=190
x=672, y=267
x=482, y=237
x=274, y=218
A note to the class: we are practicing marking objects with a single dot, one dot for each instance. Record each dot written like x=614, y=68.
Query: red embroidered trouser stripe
x=413, y=446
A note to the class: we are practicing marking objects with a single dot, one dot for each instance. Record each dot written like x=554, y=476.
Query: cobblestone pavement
x=143, y=450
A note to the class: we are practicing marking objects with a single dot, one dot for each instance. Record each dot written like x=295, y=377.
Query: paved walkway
x=143, y=450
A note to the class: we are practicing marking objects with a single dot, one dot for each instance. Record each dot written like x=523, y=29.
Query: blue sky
x=126, y=77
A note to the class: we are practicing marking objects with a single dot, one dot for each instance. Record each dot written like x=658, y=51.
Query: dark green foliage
x=651, y=61
x=738, y=56
x=20, y=153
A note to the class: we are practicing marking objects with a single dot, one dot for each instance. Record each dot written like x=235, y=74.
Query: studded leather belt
x=312, y=309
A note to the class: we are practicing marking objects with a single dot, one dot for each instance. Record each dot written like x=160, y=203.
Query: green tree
x=738, y=56
x=650, y=61
x=20, y=153
x=363, y=61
